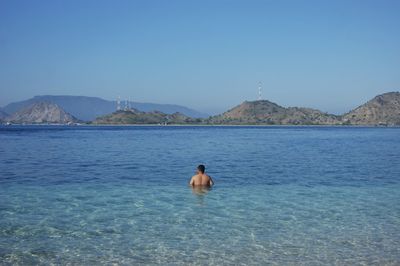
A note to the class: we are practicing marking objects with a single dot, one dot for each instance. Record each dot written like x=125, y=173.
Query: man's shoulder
x=209, y=177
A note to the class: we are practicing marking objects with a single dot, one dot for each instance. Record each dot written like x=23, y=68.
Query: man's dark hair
x=201, y=168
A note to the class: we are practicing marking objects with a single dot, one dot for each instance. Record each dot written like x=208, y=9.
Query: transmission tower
x=119, y=103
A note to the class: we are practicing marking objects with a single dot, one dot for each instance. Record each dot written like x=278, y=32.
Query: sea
x=119, y=195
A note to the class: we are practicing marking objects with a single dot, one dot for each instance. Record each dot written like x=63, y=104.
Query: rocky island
x=42, y=113
x=384, y=109
x=134, y=116
x=264, y=112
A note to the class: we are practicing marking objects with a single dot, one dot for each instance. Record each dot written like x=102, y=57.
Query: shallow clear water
x=283, y=195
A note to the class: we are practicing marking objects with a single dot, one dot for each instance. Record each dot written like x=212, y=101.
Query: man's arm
x=191, y=183
x=211, y=181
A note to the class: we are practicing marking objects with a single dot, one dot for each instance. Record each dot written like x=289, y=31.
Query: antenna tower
x=259, y=90
x=119, y=103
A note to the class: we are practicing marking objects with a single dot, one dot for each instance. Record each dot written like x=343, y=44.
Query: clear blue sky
x=208, y=55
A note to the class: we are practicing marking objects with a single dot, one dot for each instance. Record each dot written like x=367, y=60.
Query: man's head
x=201, y=168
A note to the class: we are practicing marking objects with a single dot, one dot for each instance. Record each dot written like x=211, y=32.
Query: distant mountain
x=269, y=113
x=384, y=109
x=134, y=116
x=3, y=115
x=89, y=108
x=42, y=112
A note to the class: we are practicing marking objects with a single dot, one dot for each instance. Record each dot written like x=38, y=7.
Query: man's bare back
x=201, y=178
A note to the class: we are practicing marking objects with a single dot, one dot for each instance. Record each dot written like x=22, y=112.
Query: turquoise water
x=119, y=195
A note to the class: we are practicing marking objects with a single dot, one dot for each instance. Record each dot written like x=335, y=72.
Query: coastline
x=199, y=125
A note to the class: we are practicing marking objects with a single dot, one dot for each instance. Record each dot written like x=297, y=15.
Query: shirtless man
x=201, y=179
